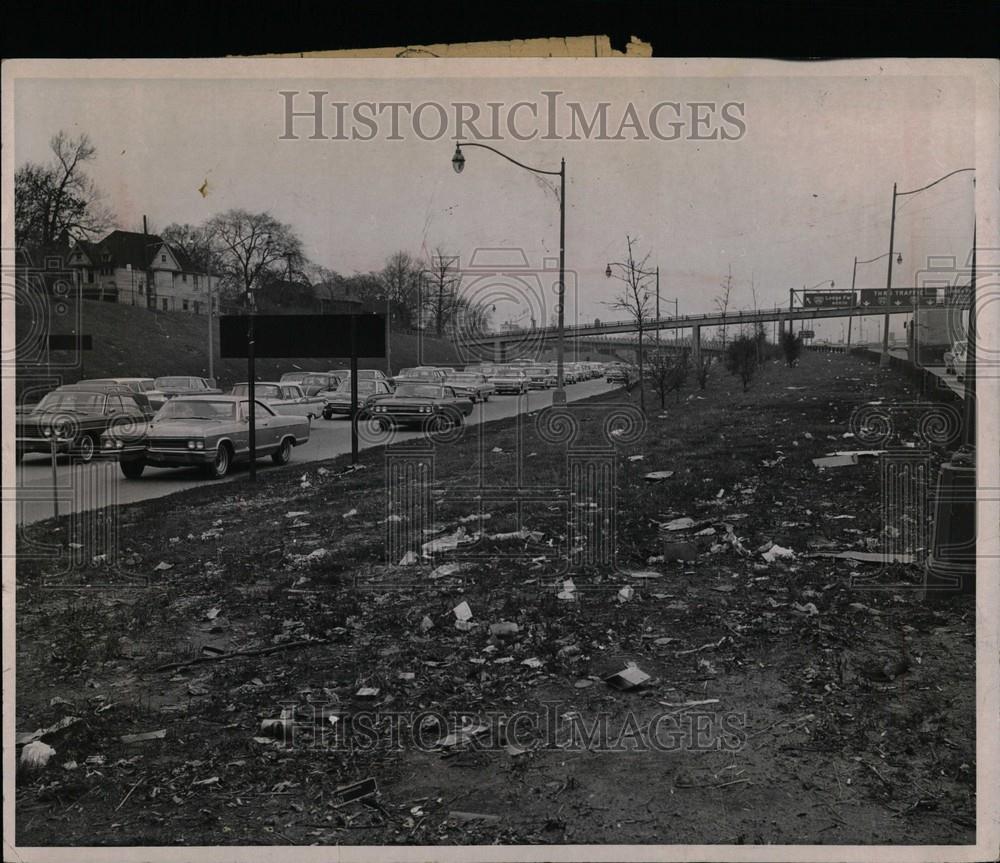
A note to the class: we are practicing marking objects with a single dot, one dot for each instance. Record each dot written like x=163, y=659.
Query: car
x=72, y=418
x=420, y=374
x=315, y=383
x=137, y=386
x=363, y=374
x=210, y=432
x=509, y=380
x=433, y=406
x=619, y=373
x=293, y=377
x=540, y=377
x=170, y=386
x=473, y=384
x=285, y=399
x=954, y=360
x=337, y=402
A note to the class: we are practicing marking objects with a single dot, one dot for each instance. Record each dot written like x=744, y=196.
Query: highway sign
x=901, y=297
x=807, y=334
x=828, y=299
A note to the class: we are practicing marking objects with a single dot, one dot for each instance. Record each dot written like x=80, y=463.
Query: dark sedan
x=72, y=418
x=430, y=405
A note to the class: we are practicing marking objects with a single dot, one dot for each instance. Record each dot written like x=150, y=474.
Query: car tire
x=283, y=454
x=327, y=416
x=132, y=469
x=83, y=449
x=220, y=465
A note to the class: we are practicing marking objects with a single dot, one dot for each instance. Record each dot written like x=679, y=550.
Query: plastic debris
x=658, y=475
x=36, y=755
x=368, y=692
x=625, y=594
x=25, y=737
x=144, y=736
x=684, y=523
x=777, y=552
x=569, y=590
x=163, y=566
x=350, y=513
x=462, y=611
x=630, y=677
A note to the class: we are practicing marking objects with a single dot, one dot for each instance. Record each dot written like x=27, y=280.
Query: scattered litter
x=636, y=457
x=26, y=737
x=426, y=624
x=475, y=517
x=496, y=449
x=684, y=523
x=141, y=738
x=569, y=590
x=350, y=513
x=583, y=684
x=644, y=573
x=368, y=692
x=504, y=629
x=465, y=817
x=212, y=613
x=210, y=781
x=532, y=662
x=777, y=552
x=709, y=668
x=702, y=703
x=314, y=555
x=658, y=475
x=446, y=543
x=866, y=556
x=163, y=566
x=408, y=559
x=720, y=493
x=809, y=608
x=354, y=792
x=630, y=677
x=465, y=734
x=36, y=755
x=774, y=462
x=462, y=611
x=708, y=531
x=625, y=594
x=445, y=570
x=296, y=514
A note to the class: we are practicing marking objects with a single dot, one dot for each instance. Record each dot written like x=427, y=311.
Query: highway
x=85, y=487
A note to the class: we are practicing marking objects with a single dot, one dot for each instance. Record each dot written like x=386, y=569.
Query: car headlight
x=200, y=444
x=120, y=444
x=192, y=444
x=47, y=432
x=107, y=443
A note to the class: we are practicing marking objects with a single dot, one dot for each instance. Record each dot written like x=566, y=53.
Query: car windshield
x=261, y=391
x=197, y=409
x=421, y=374
x=508, y=373
x=419, y=391
x=68, y=401
x=364, y=387
x=538, y=370
x=179, y=383
x=316, y=380
x=293, y=377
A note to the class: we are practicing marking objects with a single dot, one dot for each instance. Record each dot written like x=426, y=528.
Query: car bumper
x=178, y=458
x=125, y=453
x=508, y=388
x=42, y=444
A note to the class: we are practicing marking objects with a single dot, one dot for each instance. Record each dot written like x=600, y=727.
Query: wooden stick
x=257, y=651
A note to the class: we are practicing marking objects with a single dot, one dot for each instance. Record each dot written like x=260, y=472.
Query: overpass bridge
x=532, y=341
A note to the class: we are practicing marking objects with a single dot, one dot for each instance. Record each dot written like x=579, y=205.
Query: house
x=142, y=270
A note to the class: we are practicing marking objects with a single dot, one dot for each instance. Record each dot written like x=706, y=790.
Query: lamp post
x=458, y=163
x=854, y=275
x=884, y=359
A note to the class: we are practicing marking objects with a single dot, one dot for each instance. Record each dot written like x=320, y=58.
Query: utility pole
x=211, y=346
x=884, y=358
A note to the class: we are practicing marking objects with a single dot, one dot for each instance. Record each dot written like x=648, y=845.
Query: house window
x=141, y=287
x=90, y=277
x=164, y=301
x=197, y=307
x=163, y=259
x=184, y=277
x=184, y=305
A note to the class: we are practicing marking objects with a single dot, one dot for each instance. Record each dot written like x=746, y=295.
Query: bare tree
x=250, y=246
x=669, y=372
x=722, y=302
x=442, y=297
x=402, y=282
x=59, y=200
x=633, y=298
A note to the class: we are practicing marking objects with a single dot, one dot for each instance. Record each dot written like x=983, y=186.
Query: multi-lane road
x=81, y=487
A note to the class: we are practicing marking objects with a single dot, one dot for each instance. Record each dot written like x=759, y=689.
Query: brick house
x=142, y=270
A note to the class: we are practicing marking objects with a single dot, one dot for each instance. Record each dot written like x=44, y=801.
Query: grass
x=771, y=664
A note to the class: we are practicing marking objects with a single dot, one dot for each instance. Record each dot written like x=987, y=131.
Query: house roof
x=137, y=249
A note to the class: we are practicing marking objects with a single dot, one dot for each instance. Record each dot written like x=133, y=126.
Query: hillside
x=134, y=342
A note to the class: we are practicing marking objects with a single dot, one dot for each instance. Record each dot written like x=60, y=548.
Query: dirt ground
x=796, y=699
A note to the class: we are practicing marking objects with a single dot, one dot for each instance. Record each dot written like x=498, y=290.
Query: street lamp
x=854, y=275
x=458, y=163
x=608, y=273
x=884, y=359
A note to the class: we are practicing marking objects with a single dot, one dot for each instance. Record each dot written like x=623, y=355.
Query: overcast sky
x=790, y=202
